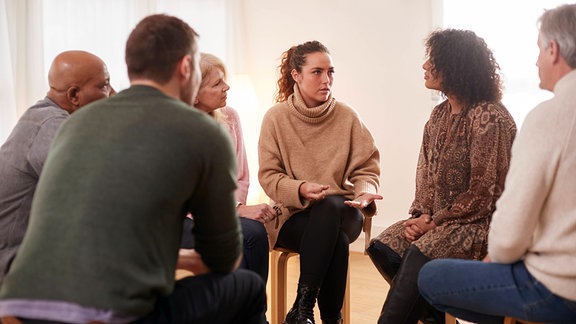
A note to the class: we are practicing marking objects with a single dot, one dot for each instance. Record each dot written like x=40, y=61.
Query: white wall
x=376, y=45
x=378, y=50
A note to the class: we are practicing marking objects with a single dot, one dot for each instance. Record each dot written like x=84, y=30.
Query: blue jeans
x=256, y=249
x=255, y=242
x=486, y=292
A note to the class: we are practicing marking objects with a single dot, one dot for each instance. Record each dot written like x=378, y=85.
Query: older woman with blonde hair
x=211, y=99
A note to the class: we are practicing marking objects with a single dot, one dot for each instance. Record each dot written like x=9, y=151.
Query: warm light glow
x=242, y=97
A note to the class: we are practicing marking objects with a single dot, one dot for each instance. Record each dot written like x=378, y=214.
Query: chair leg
x=279, y=287
x=450, y=319
x=274, y=286
x=279, y=284
x=346, y=305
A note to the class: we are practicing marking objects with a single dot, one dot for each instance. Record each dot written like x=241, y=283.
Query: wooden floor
x=367, y=289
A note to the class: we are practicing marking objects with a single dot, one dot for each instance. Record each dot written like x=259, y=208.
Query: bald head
x=77, y=78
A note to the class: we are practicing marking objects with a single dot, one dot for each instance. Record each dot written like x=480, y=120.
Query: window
x=510, y=29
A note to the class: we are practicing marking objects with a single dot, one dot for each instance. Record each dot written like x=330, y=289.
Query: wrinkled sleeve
x=531, y=177
x=490, y=152
x=424, y=195
x=43, y=141
x=272, y=173
x=365, y=164
x=214, y=206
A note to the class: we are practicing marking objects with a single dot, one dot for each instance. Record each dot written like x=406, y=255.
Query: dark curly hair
x=294, y=59
x=465, y=65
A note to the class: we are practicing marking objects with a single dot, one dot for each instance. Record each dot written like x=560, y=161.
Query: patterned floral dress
x=461, y=170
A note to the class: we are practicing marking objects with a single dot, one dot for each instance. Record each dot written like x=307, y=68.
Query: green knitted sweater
x=106, y=221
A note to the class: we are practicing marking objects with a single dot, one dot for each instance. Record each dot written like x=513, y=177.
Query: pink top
x=235, y=129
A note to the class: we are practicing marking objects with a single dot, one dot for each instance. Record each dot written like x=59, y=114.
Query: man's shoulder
x=44, y=116
x=43, y=110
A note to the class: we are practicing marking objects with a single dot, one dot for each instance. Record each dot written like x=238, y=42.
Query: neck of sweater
x=311, y=115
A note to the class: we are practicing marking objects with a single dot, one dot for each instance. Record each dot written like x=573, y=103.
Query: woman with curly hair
x=462, y=166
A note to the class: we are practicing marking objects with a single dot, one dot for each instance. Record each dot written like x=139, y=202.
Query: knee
x=386, y=260
x=427, y=276
x=260, y=232
x=352, y=224
x=254, y=232
x=333, y=200
x=328, y=211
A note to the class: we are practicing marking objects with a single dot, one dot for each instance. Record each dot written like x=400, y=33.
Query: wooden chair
x=450, y=319
x=278, y=276
x=279, y=288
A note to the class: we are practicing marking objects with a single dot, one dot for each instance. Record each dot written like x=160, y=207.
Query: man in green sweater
x=107, y=216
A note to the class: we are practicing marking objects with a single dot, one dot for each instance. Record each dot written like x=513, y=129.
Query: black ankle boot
x=431, y=315
x=404, y=305
x=386, y=260
x=302, y=311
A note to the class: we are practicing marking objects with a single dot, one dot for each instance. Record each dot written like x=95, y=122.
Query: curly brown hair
x=294, y=59
x=466, y=66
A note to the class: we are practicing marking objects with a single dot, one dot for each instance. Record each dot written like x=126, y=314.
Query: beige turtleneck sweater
x=328, y=144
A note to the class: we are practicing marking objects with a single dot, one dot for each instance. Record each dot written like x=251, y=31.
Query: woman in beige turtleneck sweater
x=320, y=166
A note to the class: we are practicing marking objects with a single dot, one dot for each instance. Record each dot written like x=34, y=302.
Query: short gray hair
x=559, y=24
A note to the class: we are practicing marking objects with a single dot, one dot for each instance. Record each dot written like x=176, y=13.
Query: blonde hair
x=208, y=63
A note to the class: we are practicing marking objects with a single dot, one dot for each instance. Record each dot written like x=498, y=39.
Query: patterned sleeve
x=424, y=195
x=491, y=134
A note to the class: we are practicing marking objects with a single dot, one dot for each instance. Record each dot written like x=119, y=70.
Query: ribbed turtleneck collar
x=311, y=115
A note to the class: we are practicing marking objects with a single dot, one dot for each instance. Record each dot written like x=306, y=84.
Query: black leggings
x=321, y=235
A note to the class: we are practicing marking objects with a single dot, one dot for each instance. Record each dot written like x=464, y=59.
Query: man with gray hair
x=529, y=272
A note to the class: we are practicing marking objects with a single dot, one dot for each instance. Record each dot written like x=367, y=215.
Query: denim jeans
x=255, y=244
x=484, y=293
x=256, y=251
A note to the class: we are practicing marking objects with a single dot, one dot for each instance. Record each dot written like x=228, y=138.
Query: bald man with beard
x=76, y=78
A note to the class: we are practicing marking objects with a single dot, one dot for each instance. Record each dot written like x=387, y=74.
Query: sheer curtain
x=20, y=59
x=7, y=95
x=33, y=32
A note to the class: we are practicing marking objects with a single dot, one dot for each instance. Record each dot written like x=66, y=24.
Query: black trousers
x=321, y=235
x=239, y=297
